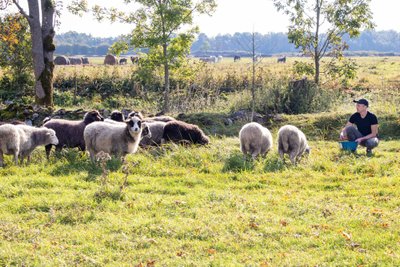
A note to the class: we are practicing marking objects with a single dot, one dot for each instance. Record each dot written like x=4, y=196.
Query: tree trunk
x=166, y=79
x=316, y=77
x=317, y=52
x=42, y=49
x=48, y=50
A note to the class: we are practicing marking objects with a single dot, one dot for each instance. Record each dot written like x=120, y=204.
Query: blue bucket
x=348, y=145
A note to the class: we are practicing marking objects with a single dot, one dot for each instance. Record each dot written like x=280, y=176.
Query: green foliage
x=338, y=17
x=15, y=56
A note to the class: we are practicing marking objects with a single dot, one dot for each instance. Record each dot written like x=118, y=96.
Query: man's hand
x=342, y=136
x=359, y=140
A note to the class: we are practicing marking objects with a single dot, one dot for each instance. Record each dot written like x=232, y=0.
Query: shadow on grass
x=237, y=163
x=74, y=161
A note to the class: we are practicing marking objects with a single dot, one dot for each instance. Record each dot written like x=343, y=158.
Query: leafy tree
x=40, y=17
x=336, y=18
x=15, y=55
x=15, y=44
x=158, y=26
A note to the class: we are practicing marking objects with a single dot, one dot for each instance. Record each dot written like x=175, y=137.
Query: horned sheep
x=255, y=139
x=21, y=140
x=70, y=133
x=117, y=139
x=292, y=141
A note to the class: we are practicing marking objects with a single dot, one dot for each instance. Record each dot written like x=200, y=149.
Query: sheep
x=117, y=116
x=255, y=140
x=292, y=141
x=182, y=132
x=163, y=118
x=70, y=133
x=117, y=139
x=156, y=129
x=20, y=140
x=136, y=114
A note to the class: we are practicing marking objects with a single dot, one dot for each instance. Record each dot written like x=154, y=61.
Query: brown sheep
x=182, y=132
x=70, y=133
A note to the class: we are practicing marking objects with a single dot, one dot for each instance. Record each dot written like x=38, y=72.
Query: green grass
x=203, y=206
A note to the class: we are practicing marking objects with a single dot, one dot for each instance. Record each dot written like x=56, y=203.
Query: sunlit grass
x=203, y=206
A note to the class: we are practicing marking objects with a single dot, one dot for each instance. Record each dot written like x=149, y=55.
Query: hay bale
x=75, y=60
x=85, y=61
x=110, y=60
x=61, y=60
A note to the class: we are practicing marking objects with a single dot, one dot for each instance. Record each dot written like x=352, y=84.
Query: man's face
x=361, y=108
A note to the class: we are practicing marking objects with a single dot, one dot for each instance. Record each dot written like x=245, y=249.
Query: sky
x=231, y=16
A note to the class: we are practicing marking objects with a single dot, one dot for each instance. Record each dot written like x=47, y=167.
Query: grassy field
x=203, y=206
x=208, y=206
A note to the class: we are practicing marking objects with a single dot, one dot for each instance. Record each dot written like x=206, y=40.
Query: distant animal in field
x=282, y=59
x=292, y=141
x=236, y=58
x=135, y=59
x=210, y=59
x=255, y=140
x=123, y=61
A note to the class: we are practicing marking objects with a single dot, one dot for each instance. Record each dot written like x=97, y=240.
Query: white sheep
x=255, y=139
x=117, y=139
x=292, y=141
x=21, y=140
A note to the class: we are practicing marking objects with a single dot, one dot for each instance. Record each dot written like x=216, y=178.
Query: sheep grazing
x=70, y=133
x=21, y=140
x=292, y=141
x=156, y=129
x=117, y=116
x=163, y=118
x=116, y=139
x=182, y=132
x=255, y=140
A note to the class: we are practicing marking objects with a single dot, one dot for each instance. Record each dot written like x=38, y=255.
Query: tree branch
x=21, y=10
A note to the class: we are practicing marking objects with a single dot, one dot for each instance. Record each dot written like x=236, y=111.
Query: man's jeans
x=352, y=134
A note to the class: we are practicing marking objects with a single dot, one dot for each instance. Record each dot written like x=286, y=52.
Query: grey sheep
x=255, y=139
x=21, y=140
x=117, y=139
x=292, y=141
x=156, y=129
x=70, y=133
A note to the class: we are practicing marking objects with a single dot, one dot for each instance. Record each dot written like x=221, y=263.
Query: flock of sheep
x=256, y=140
x=119, y=136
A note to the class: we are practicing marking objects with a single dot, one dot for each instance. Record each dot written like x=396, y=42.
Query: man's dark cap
x=361, y=101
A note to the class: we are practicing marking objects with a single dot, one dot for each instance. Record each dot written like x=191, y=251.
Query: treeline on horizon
x=385, y=42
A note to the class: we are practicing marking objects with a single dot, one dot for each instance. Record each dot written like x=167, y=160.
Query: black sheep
x=117, y=116
x=70, y=133
x=182, y=132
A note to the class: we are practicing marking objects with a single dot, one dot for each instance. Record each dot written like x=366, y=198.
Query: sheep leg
x=1, y=159
x=16, y=157
x=48, y=150
x=292, y=156
x=255, y=153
